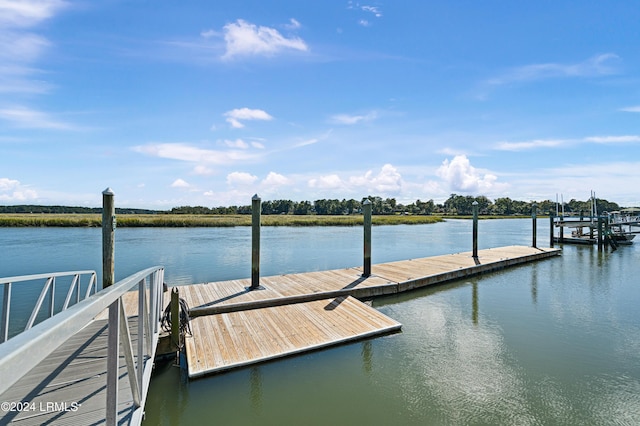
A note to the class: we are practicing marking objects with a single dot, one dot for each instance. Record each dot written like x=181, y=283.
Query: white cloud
x=202, y=170
x=522, y=146
x=245, y=39
x=332, y=181
x=238, y=143
x=460, y=175
x=307, y=142
x=631, y=109
x=20, y=48
x=235, y=115
x=12, y=190
x=274, y=179
x=596, y=66
x=558, y=143
x=210, y=34
x=29, y=118
x=613, y=139
x=180, y=183
x=364, y=23
x=241, y=179
x=372, y=9
x=257, y=145
x=353, y=119
x=375, y=10
x=26, y=13
x=388, y=181
x=293, y=24
x=201, y=156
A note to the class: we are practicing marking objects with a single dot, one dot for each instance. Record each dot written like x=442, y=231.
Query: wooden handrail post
x=534, y=219
x=255, y=242
x=367, y=207
x=113, y=348
x=475, y=229
x=108, y=238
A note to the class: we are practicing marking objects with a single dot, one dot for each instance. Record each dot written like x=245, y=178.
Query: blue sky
x=207, y=103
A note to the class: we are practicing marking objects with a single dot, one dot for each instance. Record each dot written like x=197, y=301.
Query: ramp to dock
x=235, y=339
x=80, y=366
x=69, y=385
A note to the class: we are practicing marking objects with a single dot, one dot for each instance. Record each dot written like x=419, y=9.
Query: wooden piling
x=108, y=238
x=600, y=234
x=534, y=219
x=475, y=229
x=255, y=242
x=551, y=229
x=175, y=318
x=366, y=208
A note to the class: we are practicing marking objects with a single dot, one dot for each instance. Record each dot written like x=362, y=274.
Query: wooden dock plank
x=264, y=334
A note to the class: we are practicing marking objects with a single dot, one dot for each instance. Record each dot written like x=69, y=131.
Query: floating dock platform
x=234, y=326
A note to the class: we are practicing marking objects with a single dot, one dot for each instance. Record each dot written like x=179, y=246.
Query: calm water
x=555, y=342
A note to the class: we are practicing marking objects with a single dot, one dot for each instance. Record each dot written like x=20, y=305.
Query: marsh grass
x=181, y=221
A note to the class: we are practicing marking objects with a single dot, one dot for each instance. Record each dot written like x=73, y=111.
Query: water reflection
x=465, y=367
x=367, y=357
x=534, y=284
x=474, y=303
x=256, y=389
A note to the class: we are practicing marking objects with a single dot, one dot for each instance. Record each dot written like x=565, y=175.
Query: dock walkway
x=234, y=326
x=69, y=385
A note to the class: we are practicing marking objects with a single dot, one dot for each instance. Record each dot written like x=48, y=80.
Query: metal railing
x=49, y=288
x=21, y=353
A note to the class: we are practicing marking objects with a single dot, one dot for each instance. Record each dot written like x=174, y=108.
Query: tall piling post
x=475, y=229
x=551, y=229
x=600, y=234
x=108, y=278
x=108, y=237
x=256, y=210
x=366, y=209
x=534, y=220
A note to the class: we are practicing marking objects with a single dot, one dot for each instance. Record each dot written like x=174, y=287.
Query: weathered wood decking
x=69, y=386
x=235, y=339
x=236, y=327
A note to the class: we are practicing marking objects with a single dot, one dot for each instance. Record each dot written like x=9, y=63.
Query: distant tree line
x=68, y=210
x=454, y=205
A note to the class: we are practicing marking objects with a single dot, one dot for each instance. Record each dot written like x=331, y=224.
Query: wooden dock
x=235, y=326
x=236, y=339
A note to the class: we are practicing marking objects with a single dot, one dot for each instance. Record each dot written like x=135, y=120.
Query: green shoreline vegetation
x=174, y=221
x=323, y=212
